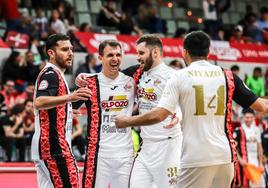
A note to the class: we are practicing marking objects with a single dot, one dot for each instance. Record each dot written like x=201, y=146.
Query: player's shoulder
x=49, y=73
x=125, y=77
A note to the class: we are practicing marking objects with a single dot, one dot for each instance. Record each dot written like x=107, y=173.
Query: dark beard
x=148, y=62
x=62, y=63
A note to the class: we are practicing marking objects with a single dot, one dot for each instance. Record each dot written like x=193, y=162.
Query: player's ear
x=100, y=57
x=51, y=53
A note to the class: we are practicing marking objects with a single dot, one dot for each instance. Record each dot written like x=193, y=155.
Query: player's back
x=202, y=98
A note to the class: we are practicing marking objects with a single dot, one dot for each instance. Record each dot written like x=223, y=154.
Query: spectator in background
x=237, y=35
x=28, y=121
x=180, y=33
x=212, y=15
x=8, y=94
x=252, y=30
x=89, y=66
x=262, y=23
x=266, y=80
x=126, y=25
x=32, y=67
x=14, y=68
x=78, y=139
x=105, y=16
x=26, y=95
x=176, y=64
x=56, y=24
x=256, y=82
x=85, y=27
x=155, y=23
x=13, y=130
x=220, y=35
x=248, y=138
x=42, y=23
x=249, y=11
x=9, y=11
x=25, y=26
x=235, y=69
x=3, y=108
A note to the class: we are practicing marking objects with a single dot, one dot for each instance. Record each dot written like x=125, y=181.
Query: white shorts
x=157, y=164
x=113, y=172
x=60, y=172
x=216, y=176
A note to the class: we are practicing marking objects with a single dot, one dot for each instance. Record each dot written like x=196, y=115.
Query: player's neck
x=193, y=59
x=156, y=62
x=110, y=75
x=57, y=65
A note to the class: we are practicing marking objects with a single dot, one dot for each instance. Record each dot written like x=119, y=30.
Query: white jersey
x=150, y=89
x=117, y=97
x=200, y=90
x=253, y=138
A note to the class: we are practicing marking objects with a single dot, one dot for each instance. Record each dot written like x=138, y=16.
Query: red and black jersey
x=53, y=127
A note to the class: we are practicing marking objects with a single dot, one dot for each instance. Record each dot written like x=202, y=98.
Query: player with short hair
x=204, y=93
x=51, y=144
x=109, y=155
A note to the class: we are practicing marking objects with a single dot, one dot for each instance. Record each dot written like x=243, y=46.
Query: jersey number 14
x=200, y=101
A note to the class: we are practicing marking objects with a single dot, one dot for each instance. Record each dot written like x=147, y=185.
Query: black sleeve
x=242, y=95
x=77, y=104
x=48, y=84
x=130, y=71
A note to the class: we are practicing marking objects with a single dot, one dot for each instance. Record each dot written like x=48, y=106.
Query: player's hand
x=121, y=121
x=80, y=94
x=81, y=80
x=174, y=121
x=243, y=163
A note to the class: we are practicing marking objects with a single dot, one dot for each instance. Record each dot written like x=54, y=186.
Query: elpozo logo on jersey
x=147, y=93
x=115, y=103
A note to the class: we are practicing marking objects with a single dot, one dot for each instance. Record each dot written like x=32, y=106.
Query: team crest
x=128, y=86
x=157, y=82
x=43, y=85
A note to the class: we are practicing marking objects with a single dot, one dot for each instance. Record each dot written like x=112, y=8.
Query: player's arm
x=81, y=79
x=156, y=115
x=246, y=98
x=166, y=107
x=48, y=88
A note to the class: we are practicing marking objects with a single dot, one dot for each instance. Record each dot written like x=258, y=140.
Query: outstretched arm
x=47, y=102
x=154, y=116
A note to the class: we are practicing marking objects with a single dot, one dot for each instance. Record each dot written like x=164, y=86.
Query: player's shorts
x=157, y=164
x=113, y=172
x=216, y=176
x=60, y=172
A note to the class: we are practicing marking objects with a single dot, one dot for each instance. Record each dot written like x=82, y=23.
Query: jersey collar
x=156, y=68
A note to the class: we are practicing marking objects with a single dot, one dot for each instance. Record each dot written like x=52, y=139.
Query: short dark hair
x=151, y=40
x=248, y=111
x=197, y=43
x=258, y=69
x=53, y=39
x=105, y=43
x=235, y=68
x=89, y=57
x=27, y=100
x=17, y=109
